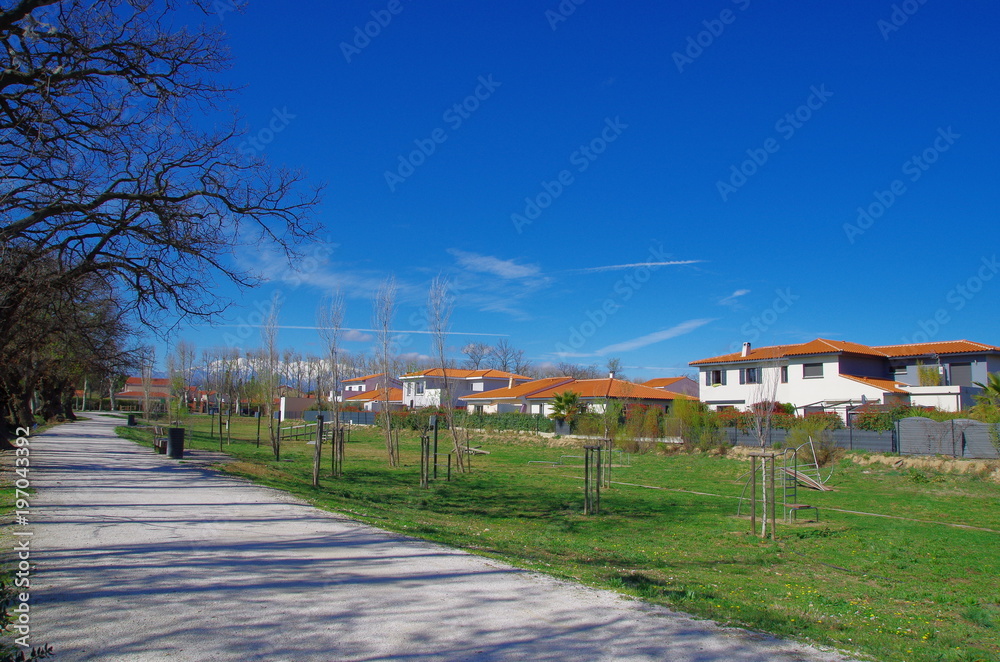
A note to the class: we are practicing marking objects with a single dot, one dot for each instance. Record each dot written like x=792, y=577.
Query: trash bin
x=175, y=443
x=131, y=420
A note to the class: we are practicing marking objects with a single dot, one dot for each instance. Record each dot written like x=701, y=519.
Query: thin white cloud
x=488, y=264
x=655, y=337
x=733, y=297
x=357, y=335
x=635, y=265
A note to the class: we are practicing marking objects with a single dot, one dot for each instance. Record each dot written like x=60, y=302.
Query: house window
x=750, y=376
x=961, y=374
x=812, y=370
x=420, y=388
x=479, y=409
x=713, y=377
x=477, y=386
x=784, y=374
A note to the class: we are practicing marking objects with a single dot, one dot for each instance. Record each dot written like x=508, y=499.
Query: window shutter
x=723, y=380
x=708, y=378
x=743, y=376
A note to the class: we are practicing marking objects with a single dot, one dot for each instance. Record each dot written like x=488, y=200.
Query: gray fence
x=353, y=417
x=960, y=437
x=851, y=439
x=912, y=436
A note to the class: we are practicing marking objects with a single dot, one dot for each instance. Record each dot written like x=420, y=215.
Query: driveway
x=140, y=557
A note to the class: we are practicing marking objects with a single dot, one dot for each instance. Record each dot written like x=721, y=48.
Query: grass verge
x=881, y=584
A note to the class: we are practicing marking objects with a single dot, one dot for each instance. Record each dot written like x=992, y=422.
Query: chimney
x=510, y=382
x=611, y=375
x=746, y=349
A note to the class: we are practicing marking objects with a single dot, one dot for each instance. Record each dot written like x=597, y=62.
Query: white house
x=834, y=375
x=376, y=400
x=424, y=388
x=536, y=397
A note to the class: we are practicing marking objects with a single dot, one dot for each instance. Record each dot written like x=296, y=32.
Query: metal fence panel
x=978, y=443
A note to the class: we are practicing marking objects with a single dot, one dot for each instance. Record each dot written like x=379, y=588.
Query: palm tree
x=565, y=406
x=991, y=389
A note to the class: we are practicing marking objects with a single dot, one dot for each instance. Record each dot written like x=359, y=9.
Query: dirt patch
x=989, y=469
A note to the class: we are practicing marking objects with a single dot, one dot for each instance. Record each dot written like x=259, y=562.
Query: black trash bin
x=175, y=443
x=131, y=420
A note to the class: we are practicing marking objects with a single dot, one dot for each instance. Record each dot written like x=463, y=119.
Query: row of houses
x=817, y=376
x=497, y=392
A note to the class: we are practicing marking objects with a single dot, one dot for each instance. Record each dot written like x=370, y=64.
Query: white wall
x=799, y=391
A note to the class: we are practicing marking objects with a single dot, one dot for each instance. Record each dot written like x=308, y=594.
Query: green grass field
x=883, y=587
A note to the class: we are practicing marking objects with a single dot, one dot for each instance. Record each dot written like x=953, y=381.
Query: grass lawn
x=882, y=587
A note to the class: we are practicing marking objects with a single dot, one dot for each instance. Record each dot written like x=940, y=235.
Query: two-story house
x=355, y=385
x=834, y=375
x=425, y=388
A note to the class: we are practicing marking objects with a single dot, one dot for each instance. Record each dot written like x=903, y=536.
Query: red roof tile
x=610, y=388
x=395, y=395
x=823, y=346
x=521, y=390
x=456, y=373
x=888, y=385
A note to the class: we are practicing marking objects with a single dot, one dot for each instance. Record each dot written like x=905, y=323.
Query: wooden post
x=773, y=499
x=434, y=426
x=425, y=460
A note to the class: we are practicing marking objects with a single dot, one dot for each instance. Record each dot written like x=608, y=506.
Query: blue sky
x=730, y=142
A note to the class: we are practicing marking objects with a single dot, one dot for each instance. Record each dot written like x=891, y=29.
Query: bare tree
x=384, y=310
x=269, y=374
x=577, y=371
x=439, y=307
x=112, y=173
x=476, y=355
x=330, y=320
x=180, y=366
x=146, y=377
x=502, y=357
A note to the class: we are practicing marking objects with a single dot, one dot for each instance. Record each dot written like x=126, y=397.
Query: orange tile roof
x=610, y=388
x=395, y=395
x=362, y=379
x=141, y=394
x=155, y=381
x=823, y=346
x=521, y=390
x=457, y=373
x=943, y=347
x=889, y=385
x=660, y=382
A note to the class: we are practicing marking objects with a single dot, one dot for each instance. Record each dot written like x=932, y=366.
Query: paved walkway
x=143, y=558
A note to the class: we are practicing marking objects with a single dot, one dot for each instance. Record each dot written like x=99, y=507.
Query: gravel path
x=140, y=557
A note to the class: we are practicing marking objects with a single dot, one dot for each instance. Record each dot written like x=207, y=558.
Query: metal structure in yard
x=592, y=480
